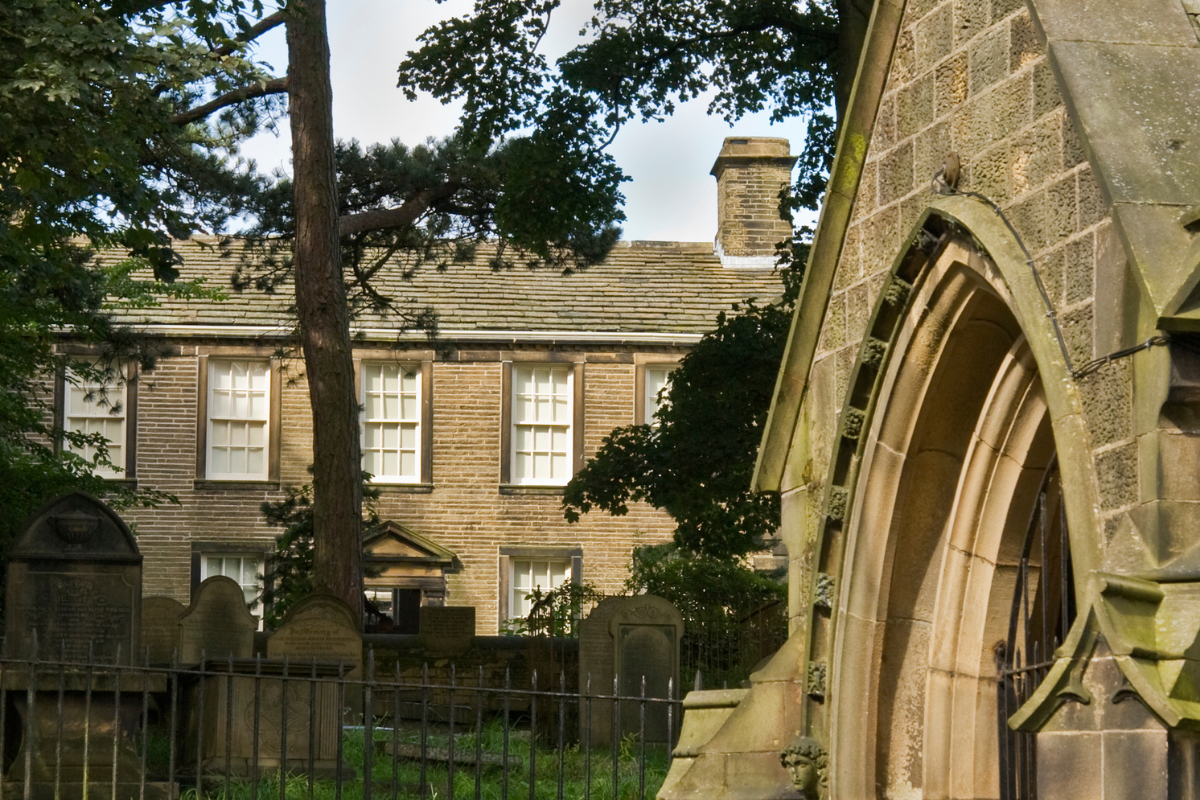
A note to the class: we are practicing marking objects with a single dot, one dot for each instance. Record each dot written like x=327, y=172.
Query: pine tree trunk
x=322, y=310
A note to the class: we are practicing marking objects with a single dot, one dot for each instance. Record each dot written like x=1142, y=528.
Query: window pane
x=390, y=398
x=656, y=380
x=530, y=575
x=391, y=436
x=559, y=468
x=219, y=460
x=372, y=436
x=238, y=410
x=523, y=409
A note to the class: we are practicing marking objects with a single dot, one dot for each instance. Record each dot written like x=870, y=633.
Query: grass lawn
x=402, y=777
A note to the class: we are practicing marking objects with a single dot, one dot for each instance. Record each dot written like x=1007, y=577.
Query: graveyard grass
x=406, y=774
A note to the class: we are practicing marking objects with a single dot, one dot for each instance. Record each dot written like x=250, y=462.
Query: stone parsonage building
x=470, y=438
x=986, y=431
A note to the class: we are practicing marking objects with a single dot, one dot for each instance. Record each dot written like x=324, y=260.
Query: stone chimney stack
x=750, y=173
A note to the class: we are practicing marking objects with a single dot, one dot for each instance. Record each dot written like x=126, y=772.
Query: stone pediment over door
x=394, y=542
x=397, y=557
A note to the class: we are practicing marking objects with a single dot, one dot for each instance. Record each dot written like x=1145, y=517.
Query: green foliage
x=698, y=585
x=288, y=577
x=733, y=615
x=578, y=779
x=556, y=613
x=639, y=59
x=542, y=202
x=89, y=160
x=697, y=463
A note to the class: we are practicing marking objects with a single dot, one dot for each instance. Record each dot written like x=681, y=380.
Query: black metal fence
x=1043, y=610
x=264, y=728
x=725, y=645
x=721, y=643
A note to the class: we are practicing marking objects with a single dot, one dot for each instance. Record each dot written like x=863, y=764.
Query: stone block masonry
x=972, y=77
x=750, y=173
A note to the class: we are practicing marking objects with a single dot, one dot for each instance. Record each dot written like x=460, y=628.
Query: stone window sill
x=521, y=488
x=404, y=488
x=226, y=486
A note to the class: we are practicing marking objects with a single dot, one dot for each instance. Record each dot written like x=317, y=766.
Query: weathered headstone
x=447, y=629
x=160, y=628
x=320, y=640
x=217, y=624
x=629, y=637
x=75, y=590
x=75, y=584
x=225, y=716
x=319, y=628
x=646, y=631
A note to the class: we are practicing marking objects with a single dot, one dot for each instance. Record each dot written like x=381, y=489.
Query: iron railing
x=1043, y=610
x=259, y=728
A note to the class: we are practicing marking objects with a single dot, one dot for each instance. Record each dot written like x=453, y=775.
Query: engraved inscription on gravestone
x=321, y=628
x=75, y=584
x=447, y=627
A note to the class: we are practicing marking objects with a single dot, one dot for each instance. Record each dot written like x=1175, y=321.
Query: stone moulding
x=815, y=683
x=823, y=591
x=1153, y=632
x=835, y=507
x=852, y=423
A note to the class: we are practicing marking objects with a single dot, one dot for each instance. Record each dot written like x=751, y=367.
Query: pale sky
x=670, y=196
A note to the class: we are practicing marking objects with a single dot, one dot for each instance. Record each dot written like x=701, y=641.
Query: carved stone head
x=805, y=759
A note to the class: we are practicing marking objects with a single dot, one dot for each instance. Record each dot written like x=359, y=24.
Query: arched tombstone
x=628, y=637
x=75, y=590
x=74, y=585
x=646, y=630
x=217, y=624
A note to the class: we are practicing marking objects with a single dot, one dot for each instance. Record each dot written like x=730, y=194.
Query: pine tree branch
x=406, y=213
x=276, y=86
x=250, y=34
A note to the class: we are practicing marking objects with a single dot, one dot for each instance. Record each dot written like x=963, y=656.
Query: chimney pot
x=751, y=171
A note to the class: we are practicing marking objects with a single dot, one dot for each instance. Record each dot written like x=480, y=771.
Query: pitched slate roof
x=642, y=287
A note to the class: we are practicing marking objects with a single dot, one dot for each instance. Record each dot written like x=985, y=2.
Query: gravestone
x=74, y=585
x=318, y=640
x=447, y=629
x=75, y=590
x=629, y=637
x=646, y=630
x=319, y=628
x=160, y=628
x=322, y=628
x=217, y=624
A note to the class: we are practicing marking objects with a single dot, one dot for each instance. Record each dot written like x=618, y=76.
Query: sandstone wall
x=971, y=76
x=465, y=511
